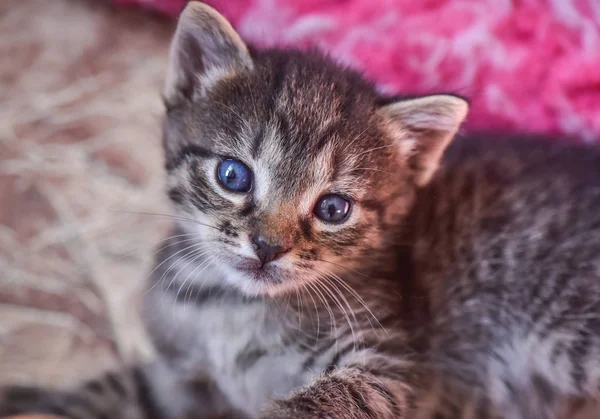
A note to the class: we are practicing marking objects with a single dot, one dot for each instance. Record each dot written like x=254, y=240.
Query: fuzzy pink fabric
x=530, y=65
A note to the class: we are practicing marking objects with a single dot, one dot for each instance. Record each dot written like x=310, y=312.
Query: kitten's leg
x=141, y=392
x=375, y=388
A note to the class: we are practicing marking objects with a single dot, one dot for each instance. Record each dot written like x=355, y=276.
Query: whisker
x=327, y=277
x=252, y=98
x=329, y=293
x=304, y=287
x=332, y=321
x=357, y=137
x=345, y=267
x=375, y=149
x=358, y=298
x=202, y=266
x=230, y=109
x=194, y=256
x=165, y=246
x=332, y=276
x=210, y=260
x=195, y=245
x=197, y=256
x=298, y=300
x=166, y=260
x=370, y=168
x=170, y=216
x=342, y=309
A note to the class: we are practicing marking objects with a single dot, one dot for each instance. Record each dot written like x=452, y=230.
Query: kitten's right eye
x=332, y=208
x=234, y=176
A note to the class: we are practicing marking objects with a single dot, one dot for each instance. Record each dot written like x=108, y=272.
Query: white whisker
x=195, y=245
x=375, y=149
x=210, y=260
x=369, y=168
x=332, y=321
x=170, y=216
x=357, y=137
x=342, y=309
x=202, y=266
x=360, y=300
x=163, y=247
x=316, y=313
x=194, y=255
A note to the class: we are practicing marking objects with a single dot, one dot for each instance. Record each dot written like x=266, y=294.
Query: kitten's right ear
x=423, y=127
x=204, y=49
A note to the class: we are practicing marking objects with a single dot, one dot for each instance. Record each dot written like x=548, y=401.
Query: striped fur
x=468, y=291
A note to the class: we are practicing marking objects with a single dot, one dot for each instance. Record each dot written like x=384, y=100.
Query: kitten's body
x=500, y=317
x=505, y=241
x=466, y=292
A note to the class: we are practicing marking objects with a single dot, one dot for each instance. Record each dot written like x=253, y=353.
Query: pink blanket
x=526, y=64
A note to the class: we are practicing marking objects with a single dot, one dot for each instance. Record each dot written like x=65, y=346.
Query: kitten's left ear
x=204, y=48
x=423, y=128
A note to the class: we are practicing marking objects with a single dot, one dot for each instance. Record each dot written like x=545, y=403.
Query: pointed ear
x=423, y=128
x=204, y=48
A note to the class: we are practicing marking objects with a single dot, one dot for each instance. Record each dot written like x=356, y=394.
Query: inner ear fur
x=423, y=128
x=205, y=47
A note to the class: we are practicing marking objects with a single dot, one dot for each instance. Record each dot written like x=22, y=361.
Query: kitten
x=324, y=266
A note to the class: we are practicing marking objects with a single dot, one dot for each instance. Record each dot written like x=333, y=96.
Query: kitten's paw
x=20, y=400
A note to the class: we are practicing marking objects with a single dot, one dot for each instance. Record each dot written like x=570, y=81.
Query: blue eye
x=332, y=208
x=234, y=175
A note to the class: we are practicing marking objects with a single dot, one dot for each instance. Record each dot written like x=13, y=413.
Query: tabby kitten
x=323, y=266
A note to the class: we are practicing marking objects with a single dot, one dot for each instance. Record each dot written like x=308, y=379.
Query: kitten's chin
x=253, y=280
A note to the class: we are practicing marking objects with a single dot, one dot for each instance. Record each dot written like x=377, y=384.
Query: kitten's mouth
x=258, y=271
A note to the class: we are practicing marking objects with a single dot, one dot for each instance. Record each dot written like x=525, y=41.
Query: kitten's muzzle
x=266, y=251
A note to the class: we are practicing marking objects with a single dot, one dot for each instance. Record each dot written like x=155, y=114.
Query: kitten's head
x=293, y=168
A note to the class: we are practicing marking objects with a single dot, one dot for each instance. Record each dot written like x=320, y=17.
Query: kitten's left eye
x=332, y=208
x=234, y=175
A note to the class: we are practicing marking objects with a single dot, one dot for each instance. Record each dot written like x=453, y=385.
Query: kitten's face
x=289, y=172
x=288, y=164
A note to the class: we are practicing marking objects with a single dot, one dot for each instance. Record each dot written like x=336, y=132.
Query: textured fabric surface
x=527, y=64
x=80, y=157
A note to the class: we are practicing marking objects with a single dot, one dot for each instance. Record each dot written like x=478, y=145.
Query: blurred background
x=81, y=167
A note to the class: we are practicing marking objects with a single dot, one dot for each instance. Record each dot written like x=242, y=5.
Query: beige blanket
x=79, y=157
